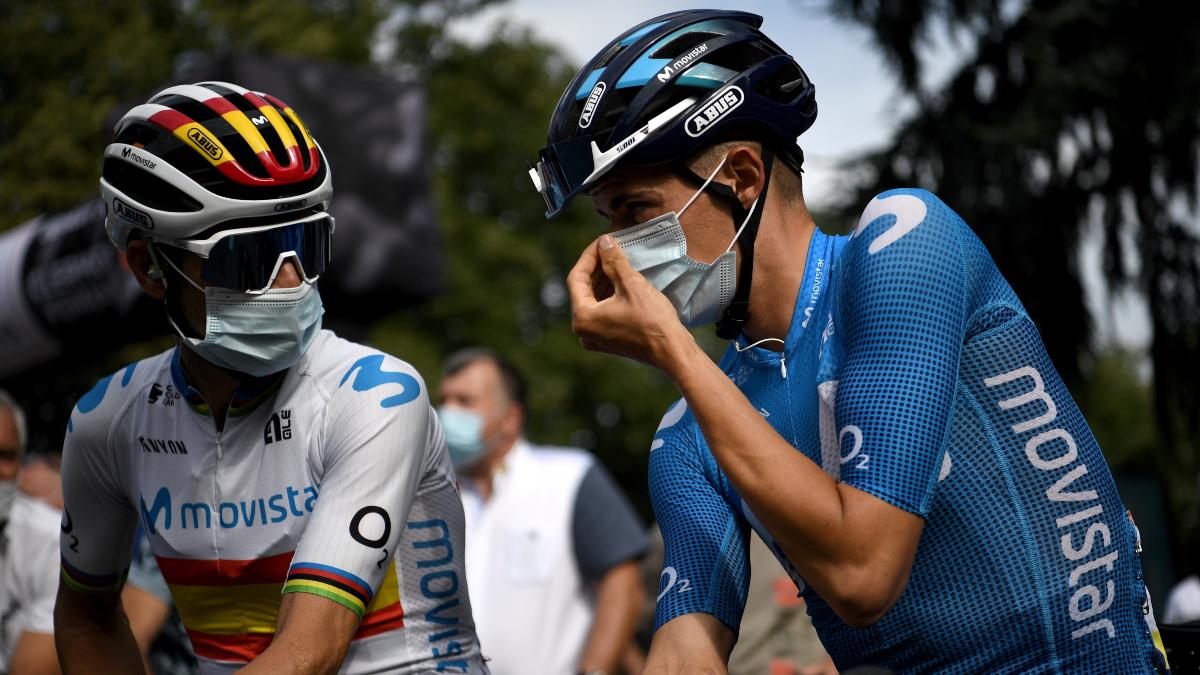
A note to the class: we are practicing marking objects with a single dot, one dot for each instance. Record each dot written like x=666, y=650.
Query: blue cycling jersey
x=912, y=372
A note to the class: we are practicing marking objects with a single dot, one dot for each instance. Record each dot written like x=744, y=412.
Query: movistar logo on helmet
x=206, y=144
x=681, y=63
x=135, y=216
x=589, y=108
x=128, y=153
x=719, y=106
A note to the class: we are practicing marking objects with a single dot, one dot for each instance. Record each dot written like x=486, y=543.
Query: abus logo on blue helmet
x=589, y=108
x=718, y=107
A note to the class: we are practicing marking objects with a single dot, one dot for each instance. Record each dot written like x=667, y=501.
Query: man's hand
x=615, y=310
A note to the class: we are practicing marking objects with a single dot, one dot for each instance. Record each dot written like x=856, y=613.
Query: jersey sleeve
x=901, y=314
x=98, y=520
x=705, y=558
x=377, y=438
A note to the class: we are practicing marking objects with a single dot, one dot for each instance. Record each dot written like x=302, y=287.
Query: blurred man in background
x=552, y=544
x=30, y=512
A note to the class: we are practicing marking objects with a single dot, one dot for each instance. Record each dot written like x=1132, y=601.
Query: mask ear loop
x=782, y=355
x=710, y=178
x=166, y=303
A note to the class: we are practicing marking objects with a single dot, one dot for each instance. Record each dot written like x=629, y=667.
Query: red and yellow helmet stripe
x=202, y=140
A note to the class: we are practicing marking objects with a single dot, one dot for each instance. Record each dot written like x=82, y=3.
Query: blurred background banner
x=61, y=286
x=373, y=129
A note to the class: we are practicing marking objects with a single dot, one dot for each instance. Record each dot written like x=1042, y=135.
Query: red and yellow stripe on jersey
x=230, y=607
x=205, y=142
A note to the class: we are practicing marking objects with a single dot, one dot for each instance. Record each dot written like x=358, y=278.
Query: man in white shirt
x=552, y=543
x=28, y=551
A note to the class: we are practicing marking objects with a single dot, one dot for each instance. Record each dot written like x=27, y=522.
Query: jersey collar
x=248, y=396
x=822, y=251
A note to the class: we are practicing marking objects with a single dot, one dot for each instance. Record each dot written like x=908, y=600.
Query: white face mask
x=657, y=248
x=256, y=334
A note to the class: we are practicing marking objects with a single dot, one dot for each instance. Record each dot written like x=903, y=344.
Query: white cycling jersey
x=331, y=479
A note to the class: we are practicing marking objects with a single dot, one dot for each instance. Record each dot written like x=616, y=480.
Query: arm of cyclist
x=854, y=548
x=90, y=628
x=375, y=455
x=690, y=643
x=706, y=562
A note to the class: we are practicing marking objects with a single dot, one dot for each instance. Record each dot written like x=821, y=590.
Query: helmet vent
x=145, y=188
x=683, y=44
x=784, y=85
x=608, y=56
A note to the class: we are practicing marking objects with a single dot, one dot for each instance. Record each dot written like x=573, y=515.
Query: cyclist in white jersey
x=294, y=487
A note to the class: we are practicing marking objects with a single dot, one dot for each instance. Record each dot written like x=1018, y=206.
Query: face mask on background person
x=657, y=248
x=257, y=334
x=464, y=435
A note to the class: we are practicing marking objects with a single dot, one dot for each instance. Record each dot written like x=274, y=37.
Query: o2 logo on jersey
x=378, y=528
x=909, y=212
x=672, y=577
x=855, y=448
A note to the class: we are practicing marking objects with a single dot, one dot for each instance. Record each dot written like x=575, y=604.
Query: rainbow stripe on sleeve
x=82, y=582
x=337, y=585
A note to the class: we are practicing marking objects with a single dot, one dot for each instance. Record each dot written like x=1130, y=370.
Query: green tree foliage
x=66, y=64
x=1069, y=114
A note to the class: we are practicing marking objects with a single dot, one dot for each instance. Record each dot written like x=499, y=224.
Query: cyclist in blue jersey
x=885, y=417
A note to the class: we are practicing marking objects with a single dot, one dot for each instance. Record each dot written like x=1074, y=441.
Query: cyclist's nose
x=289, y=275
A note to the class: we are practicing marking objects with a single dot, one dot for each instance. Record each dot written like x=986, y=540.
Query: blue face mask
x=464, y=435
x=257, y=334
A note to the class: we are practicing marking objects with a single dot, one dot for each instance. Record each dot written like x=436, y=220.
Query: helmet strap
x=171, y=299
x=735, y=316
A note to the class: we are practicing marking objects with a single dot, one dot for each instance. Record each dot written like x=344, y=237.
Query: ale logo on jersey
x=278, y=428
x=589, y=108
x=719, y=106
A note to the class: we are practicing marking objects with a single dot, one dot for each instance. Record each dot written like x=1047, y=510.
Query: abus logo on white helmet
x=135, y=216
x=589, y=108
x=718, y=107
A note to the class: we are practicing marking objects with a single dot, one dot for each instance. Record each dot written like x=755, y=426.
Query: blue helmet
x=668, y=87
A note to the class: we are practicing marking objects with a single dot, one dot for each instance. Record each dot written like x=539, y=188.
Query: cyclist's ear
x=145, y=269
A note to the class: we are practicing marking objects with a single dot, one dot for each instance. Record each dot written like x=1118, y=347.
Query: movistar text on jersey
x=254, y=512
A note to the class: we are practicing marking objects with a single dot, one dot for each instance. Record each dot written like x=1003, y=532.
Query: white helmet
x=196, y=156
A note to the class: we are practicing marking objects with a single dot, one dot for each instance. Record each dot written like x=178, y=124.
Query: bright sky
x=860, y=102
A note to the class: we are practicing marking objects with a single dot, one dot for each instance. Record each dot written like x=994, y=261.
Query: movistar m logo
x=163, y=515
x=681, y=63
x=368, y=373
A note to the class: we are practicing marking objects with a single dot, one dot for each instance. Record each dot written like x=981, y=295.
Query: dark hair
x=510, y=378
